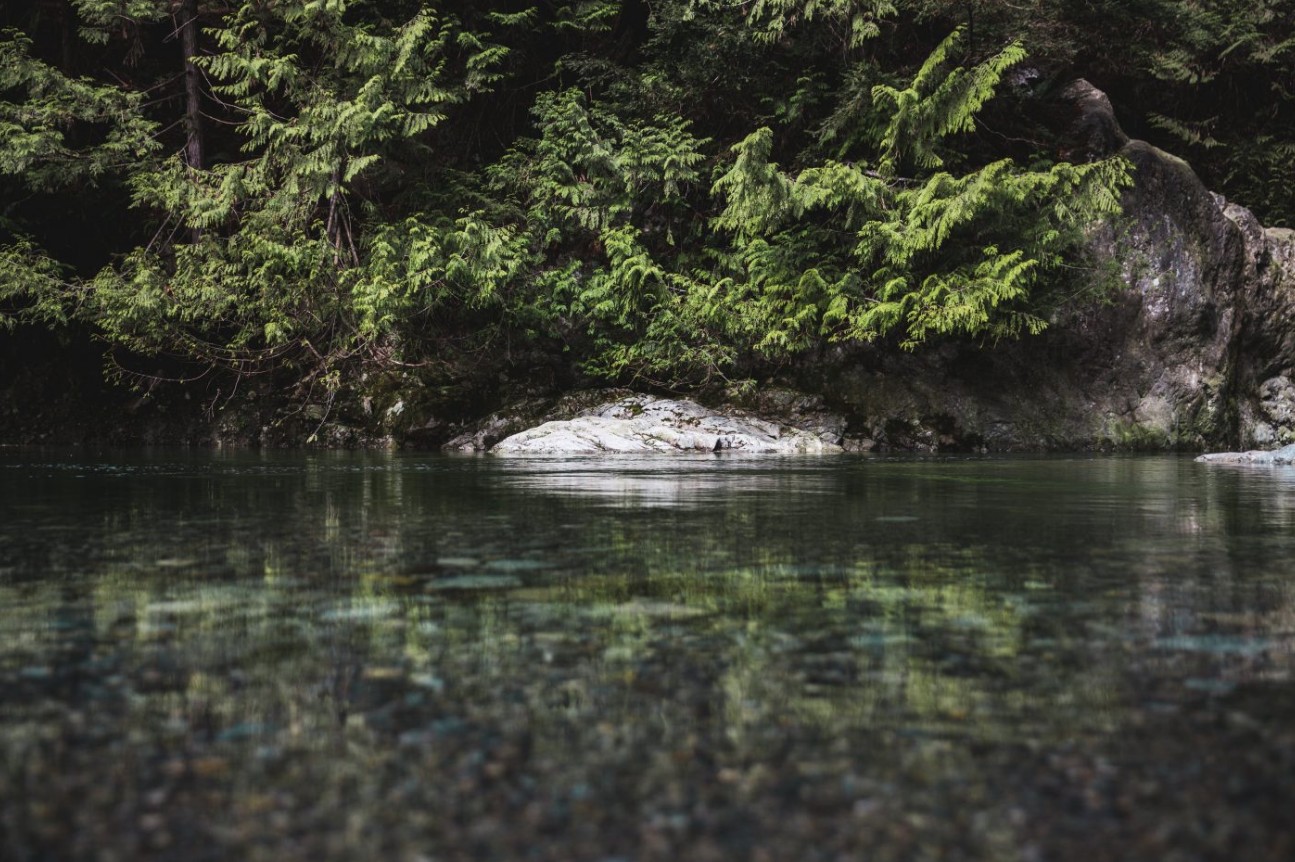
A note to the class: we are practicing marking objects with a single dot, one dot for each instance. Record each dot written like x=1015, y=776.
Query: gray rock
x=1276, y=457
x=1197, y=350
x=527, y=414
x=495, y=427
x=806, y=411
x=1093, y=127
x=642, y=423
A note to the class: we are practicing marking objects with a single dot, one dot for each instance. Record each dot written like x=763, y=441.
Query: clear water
x=340, y=656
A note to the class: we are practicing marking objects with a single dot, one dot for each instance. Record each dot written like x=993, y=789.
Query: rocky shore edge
x=1260, y=457
x=1195, y=352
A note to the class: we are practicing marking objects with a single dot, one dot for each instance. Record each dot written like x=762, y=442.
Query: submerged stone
x=369, y=610
x=1216, y=644
x=458, y=562
x=516, y=565
x=475, y=582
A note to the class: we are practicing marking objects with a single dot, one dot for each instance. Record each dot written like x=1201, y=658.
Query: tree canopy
x=675, y=192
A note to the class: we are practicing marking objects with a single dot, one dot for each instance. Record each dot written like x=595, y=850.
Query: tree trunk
x=68, y=38
x=188, y=24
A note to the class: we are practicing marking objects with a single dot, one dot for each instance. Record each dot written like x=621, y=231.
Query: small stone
x=516, y=565
x=378, y=673
x=458, y=562
x=209, y=767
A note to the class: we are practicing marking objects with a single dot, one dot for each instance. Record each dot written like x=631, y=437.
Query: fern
x=854, y=22
x=365, y=207
x=907, y=267
x=37, y=131
x=938, y=103
x=33, y=287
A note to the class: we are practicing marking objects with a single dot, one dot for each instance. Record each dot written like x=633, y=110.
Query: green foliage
x=1227, y=84
x=838, y=251
x=941, y=101
x=281, y=266
x=676, y=192
x=348, y=90
x=31, y=287
x=104, y=19
x=416, y=268
x=853, y=22
x=58, y=133
x=1212, y=80
x=42, y=110
x=924, y=258
x=586, y=16
x=591, y=170
x=596, y=182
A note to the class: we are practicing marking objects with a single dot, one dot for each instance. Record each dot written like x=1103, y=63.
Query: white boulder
x=642, y=423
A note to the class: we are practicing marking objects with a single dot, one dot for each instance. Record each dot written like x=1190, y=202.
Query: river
x=274, y=656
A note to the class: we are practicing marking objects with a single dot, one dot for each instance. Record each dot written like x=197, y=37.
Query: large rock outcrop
x=1197, y=352
x=645, y=424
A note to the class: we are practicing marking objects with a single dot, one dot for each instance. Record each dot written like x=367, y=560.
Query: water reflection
x=666, y=480
x=267, y=656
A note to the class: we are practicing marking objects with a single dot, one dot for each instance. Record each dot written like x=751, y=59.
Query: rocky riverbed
x=273, y=657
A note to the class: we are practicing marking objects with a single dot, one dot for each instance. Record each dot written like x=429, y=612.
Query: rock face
x=642, y=423
x=1278, y=457
x=1196, y=352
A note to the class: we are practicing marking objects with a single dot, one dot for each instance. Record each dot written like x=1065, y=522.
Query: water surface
x=338, y=656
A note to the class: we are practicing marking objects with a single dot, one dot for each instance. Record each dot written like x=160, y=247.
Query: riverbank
x=1193, y=352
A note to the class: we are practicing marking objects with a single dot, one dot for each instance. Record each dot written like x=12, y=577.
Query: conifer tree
x=887, y=242
x=277, y=272
x=59, y=133
x=676, y=192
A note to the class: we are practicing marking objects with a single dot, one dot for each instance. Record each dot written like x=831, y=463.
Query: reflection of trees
x=286, y=618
